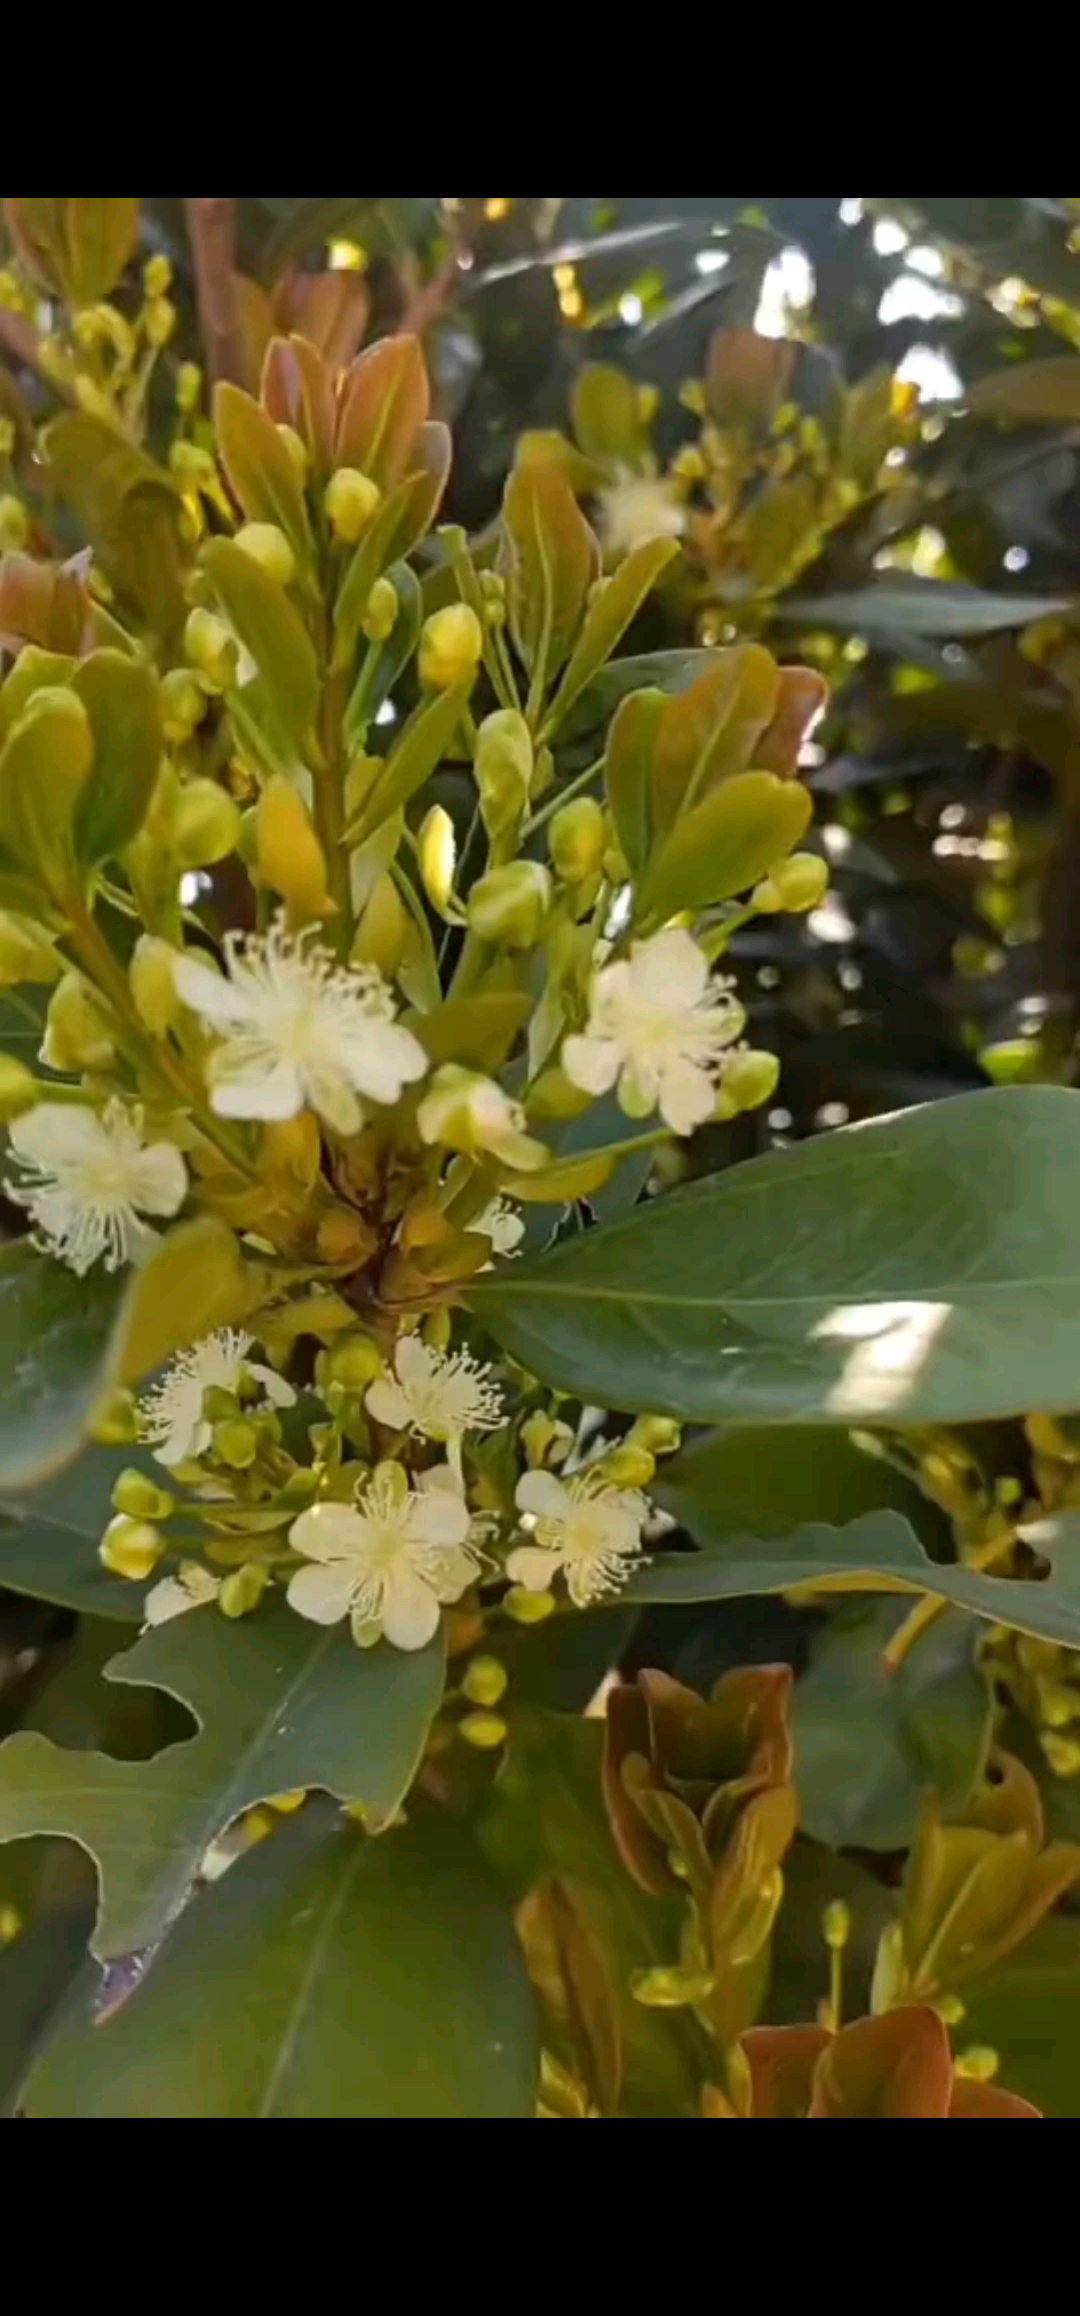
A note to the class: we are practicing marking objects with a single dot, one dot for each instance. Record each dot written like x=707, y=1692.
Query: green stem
x=329, y=803
x=565, y=796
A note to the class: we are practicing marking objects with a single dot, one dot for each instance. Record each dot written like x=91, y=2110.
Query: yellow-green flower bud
x=14, y=523
x=138, y=1498
x=152, y=986
x=236, y=1444
x=212, y=648
x=436, y=857
x=26, y=952
x=629, y=1466
x=484, y=1732
x=545, y=1441
x=268, y=546
x=290, y=858
x=10, y=1925
x=510, y=907
x=206, y=825
x=486, y=1682
x=504, y=770
x=157, y=277
x=837, y=1927
x=193, y=468
x=451, y=647
x=352, y=501
x=19, y=1090
x=115, y=1422
x=1059, y=1706
x=77, y=1038
x=287, y=1804
x=469, y=1113
x=159, y=321
x=493, y=592
x=8, y=437
x=577, y=840
x=242, y=1591
x=750, y=1080
x=131, y=1548
x=183, y=704
x=381, y=616
x=951, y=2011
x=354, y=1362
x=386, y=932
x=794, y=887
x=1062, y=1753
x=529, y=1608
x=297, y=449
x=188, y=387
x=658, y=1434
x=979, y=2065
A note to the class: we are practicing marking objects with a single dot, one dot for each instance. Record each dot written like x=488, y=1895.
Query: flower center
x=103, y=1182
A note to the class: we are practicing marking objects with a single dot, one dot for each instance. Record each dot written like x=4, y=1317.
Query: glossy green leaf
x=328, y=1978
x=281, y=1704
x=76, y=243
x=120, y=696
x=923, y=1269
x=627, y=764
x=44, y=768
x=386, y=402
x=552, y=561
x=51, y=1889
x=1030, y=393
x=1029, y=2012
x=607, y=619
x=712, y=731
x=129, y=510
x=608, y=422
x=894, y=607
x=870, y=1742
x=669, y=672
x=418, y=753
x=260, y=469
x=196, y=1282
x=270, y=629
x=49, y=1542
x=56, y=1335
x=770, y=1483
x=726, y=844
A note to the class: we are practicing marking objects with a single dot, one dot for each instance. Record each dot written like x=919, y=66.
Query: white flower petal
x=206, y=992
x=55, y=1136
x=687, y=1098
x=440, y=1517
x=411, y=1613
x=591, y=1063
x=328, y=1092
x=278, y=1392
x=322, y=1595
x=545, y=1497
x=387, y=1403
x=329, y=1533
x=159, y=1180
x=248, y=1081
x=534, y=1570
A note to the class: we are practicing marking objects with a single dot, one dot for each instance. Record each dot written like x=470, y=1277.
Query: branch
x=211, y=222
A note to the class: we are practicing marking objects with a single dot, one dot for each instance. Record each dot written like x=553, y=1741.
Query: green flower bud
x=10, y=1925
x=504, y=770
x=486, y=1682
x=193, y=468
x=472, y=1114
x=241, y=1593
x=493, y=592
x=354, y=1362
x=157, y=277
x=183, y=704
x=436, y=857
x=484, y=1732
x=287, y=1804
x=794, y=887
x=658, y=1434
x=381, y=616
x=529, y=1608
x=136, y=1495
x=19, y=1090
x=1059, y=1706
x=297, y=449
x=577, y=840
x=26, y=952
x=979, y=2065
x=290, y=858
x=159, y=321
x=188, y=387
x=630, y=1466
x=352, y=501
x=236, y=1444
x=152, y=986
x=77, y=1038
x=1063, y=1754
x=268, y=546
x=115, y=1423
x=14, y=523
x=837, y=1927
x=750, y=1080
x=206, y=825
x=212, y=648
x=451, y=647
x=385, y=933
x=131, y=1548
x=510, y=907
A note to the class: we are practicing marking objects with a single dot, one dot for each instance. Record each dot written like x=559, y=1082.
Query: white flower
x=298, y=1031
x=504, y=1225
x=437, y=1395
x=89, y=1180
x=637, y=508
x=171, y=1416
x=582, y=1528
x=191, y=1587
x=389, y=1562
x=660, y=1030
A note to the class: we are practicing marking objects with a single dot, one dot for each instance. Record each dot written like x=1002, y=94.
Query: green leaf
x=260, y=470
x=726, y=844
x=669, y=672
x=281, y=1704
x=1031, y=393
x=418, y=753
x=894, y=607
x=50, y=1550
x=400, y=524
x=44, y=769
x=920, y=1270
x=101, y=232
x=711, y=732
x=327, y=1978
x=552, y=560
x=51, y=1889
x=120, y=696
x=128, y=508
x=607, y=416
x=386, y=402
x=196, y=1282
x=607, y=619
x=627, y=766
x=380, y=670
x=1029, y=2012
x=769, y=1483
x=871, y=1742
x=270, y=629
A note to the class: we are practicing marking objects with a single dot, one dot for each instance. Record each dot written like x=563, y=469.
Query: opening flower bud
x=137, y=1497
x=206, y=825
x=290, y=858
x=451, y=647
x=242, y=1591
x=131, y=1548
x=152, y=986
x=794, y=887
x=297, y=449
x=77, y=1038
x=510, y=907
x=352, y=501
x=268, y=546
x=26, y=952
x=19, y=1090
x=183, y=704
x=577, y=840
x=14, y=523
x=381, y=616
x=630, y=1466
x=211, y=647
x=750, y=1080
x=236, y=1444
x=486, y=1682
x=354, y=1362
x=115, y=1423
x=658, y=1434
x=471, y=1114
x=504, y=770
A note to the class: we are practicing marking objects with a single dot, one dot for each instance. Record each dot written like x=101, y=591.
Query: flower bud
x=152, y=986
x=212, y=648
x=183, y=704
x=157, y=277
x=115, y=1422
x=159, y=321
x=352, y=501
x=137, y=1496
x=436, y=857
x=26, y=952
x=354, y=1362
x=297, y=449
x=486, y=1682
x=750, y=1080
x=471, y=1114
x=386, y=931
x=206, y=825
x=629, y=1466
x=381, y=616
x=837, y=1927
x=504, y=770
x=10, y=1925
x=241, y=1593
x=509, y=907
x=236, y=1443
x=287, y=1804
x=1062, y=1753
x=14, y=523
x=484, y=1732
x=268, y=546
x=577, y=840
x=451, y=647
x=794, y=887
x=978, y=2065
x=188, y=387
x=290, y=858
x=545, y=1441
x=19, y=1090
x=131, y=1548
x=658, y=1434
x=193, y=468
x=529, y=1608
x=77, y=1038
x=493, y=593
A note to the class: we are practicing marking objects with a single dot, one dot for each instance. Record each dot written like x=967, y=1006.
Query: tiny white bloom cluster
x=171, y=1418
x=582, y=1529
x=435, y=1395
x=390, y=1561
x=638, y=508
x=298, y=1032
x=661, y=1031
x=89, y=1182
